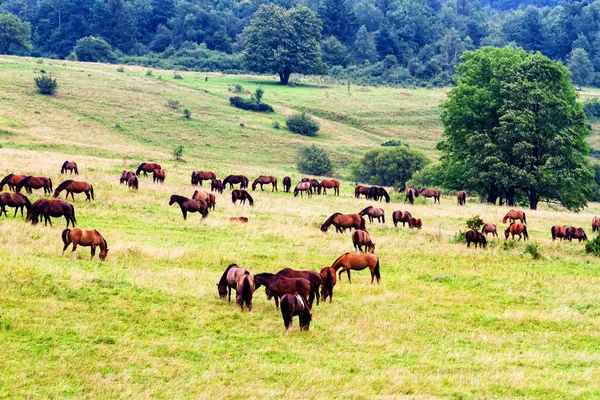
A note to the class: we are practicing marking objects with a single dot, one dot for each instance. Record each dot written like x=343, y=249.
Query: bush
x=394, y=143
x=149, y=72
x=533, y=249
x=46, y=84
x=509, y=245
x=313, y=160
x=121, y=69
x=593, y=246
x=178, y=152
x=461, y=237
x=389, y=166
x=249, y=104
x=187, y=113
x=177, y=75
x=302, y=124
x=238, y=88
x=174, y=104
x=93, y=49
x=475, y=223
x=276, y=125
x=591, y=107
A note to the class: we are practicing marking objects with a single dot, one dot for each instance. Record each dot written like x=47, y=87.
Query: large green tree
x=389, y=166
x=14, y=33
x=580, y=66
x=283, y=41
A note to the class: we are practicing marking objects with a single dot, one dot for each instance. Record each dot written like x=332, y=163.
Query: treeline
x=368, y=41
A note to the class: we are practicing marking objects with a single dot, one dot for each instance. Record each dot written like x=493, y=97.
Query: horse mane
x=63, y=184
x=179, y=198
x=64, y=166
x=23, y=182
x=223, y=280
x=102, y=237
x=366, y=210
x=385, y=194
x=337, y=259
x=329, y=221
x=6, y=178
x=265, y=275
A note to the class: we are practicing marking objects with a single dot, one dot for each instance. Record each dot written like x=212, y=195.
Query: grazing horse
x=315, y=186
x=287, y=184
x=302, y=187
x=374, y=212
x=235, y=179
x=401, y=216
x=276, y=286
x=69, y=166
x=209, y=198
x=361, y=238
x=595, y=224
x=431, y=193
x=12, y=181
x=216, y=185
x=244, y=290
x=576, y=233
x=462, y=198
x=133, y=182
x=559, y=232
x=75, y=187
x=159, y=175
x=490, y=228
x=343, y=222
x=295, y=304
x=475, y=237
x=189, y=205
x=199, y=176
x=362, y=190
x=411, y=193
x=377, y=193
x=239, y=279
x=357, y=262
x=51, y=208
x=265, y=179
x=16, y=200
x=516, y=229
x=147, y=167
x=311, y=276
x=415, y=223
x=329, y=280
x=330, y=184
x=514, y=215
x=241, y=195
x=243, y=220
x=85, y=237
x=35, y=182
x=125, y=175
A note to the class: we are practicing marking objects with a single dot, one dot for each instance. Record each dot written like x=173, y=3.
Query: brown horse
x=462, y=198
x=85, y=237
x=343, y=222
x=265, y=179
x=216, y=185
x=295, y=304
x=559, y=232
x=330, y=184
x=209, y=198
x=377, y=193
x=125, y=175
x=415, y=223
x=69, y=166
x=243, y=220
x=234, y=180
x=302, y=187
x=287, y=184
x=51, y=208
x=12, y=181
x=311, y=276
x=490, y=228
x=514, y=215
x=199, y=176
x=516, y=229
x=357, y=262
x=276, y=286
x=35, y=182
x=361, y=238
x=159, y=175
x=241, y=195
x=411, y=193
x=133, y=182
x=401, y=216
x=475, y=237
x=329, y=280
x=75, y=187
x=361, y=190
x=16, y=200
x=239, y=279
x=147, y=167
x=431, y=193
x=595, y=224
x=576, y=233
x=244, y=290
x=374, y=212
x=189, y=205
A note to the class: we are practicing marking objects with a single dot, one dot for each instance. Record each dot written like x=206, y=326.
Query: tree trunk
x=533, y=199
x=492, y=195
x=284, y=77
x=510, y=196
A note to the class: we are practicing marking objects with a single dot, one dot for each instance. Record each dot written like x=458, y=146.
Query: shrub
x=509, y=245
x=593, y=246
x=238, y=88
x=177, y=75
x=533, y=249
x=149, y=72
x=178, y=152
x=394, y=143
x=591, y=107
x=475, y=223
x=249, y=104
x=276, y=125
x=93, y=49
x=389, y=166
x=174, y=104
x=302, y=124
x=461, y=237
x=187, y=113
x=121, y=69
x=313, y=160
x=46, y=84
x=258, y=95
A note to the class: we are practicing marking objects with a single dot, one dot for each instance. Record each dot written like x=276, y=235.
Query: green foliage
x=334, y=52
x=509, y=245
x=591, y=107
x=593, y=246
x=276, y=125
x=178, y=152
x=389, y=166
x=238, y=88
x=533, y=249
x=149, y=72
x=121, y=69
x=250, y=104
x=93, y=49
x=460, y=237
x=580, y=66
x=174, y=104
x=313, y=160
x=46, y=84
x=302, y=124
x=475, y=223
x=187, y=113
x=258, y=95
x=14, y=33
x=177, y=75
x=394, y=143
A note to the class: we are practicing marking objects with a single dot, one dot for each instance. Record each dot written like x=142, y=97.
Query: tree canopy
x=14, y=33
x=389, y=166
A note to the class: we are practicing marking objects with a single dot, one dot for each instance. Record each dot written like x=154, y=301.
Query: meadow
x=445, y=322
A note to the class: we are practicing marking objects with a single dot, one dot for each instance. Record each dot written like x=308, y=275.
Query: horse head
x=103, y=254
x=222, y=291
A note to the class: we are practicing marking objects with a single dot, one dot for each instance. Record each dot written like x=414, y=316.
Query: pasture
x=445, y=321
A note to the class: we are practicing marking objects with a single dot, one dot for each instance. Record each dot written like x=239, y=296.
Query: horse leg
x=348, y=272
x=340, y=275
x=276, y=298
x=72, y=196
x=73, y=250
x=93, y=251
x=87, y=195
x=229, y=288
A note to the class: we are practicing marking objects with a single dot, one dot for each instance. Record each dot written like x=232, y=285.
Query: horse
x=235, y=179
x=559, y=232
x=12, y=181
x=199, y=176
x=361, y=238
x=329, y=280
x=16, y=200
x=516, y=229
x=265, y=179
x=431, y=193
x=377, y=193
x=241, y=195
x=51, y=208
x=490, y=228
x=415, y=223
x=576, y=233
x=411, y=193
x=216, y=185
x=311, y=276
x=276, y=286
x=362, y=190
x=243, y=220
x=189, y=205
x=374, y=212
x=302, y=187
x=35, y=182
x=401, y=216
x=357, y=262
x=595, y=224
x=75, y=187
x=330, y=184
x=85, y=237
x=209, y=198
x=239, y=279
x=158, y=175
x=343, y=222
x=69, y=166
x=287, y=184
x=295, y=304
x=244, y=290
x=315, y=186
x=462, y=198
x=133, y=182
x=475, y=237
x=125, y=175
x=147, y=167
x=515, y=215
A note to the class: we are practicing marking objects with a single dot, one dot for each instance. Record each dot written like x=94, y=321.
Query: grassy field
x=445, y=322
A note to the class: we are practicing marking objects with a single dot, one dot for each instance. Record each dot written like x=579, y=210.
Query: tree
x=338, y=19
x=364, y=47
x=389, y=166
x=313, y=160
x=580, y=66
x=178, y=152
x=14, y=33
x=334, y=52
x=93, y=49
x=283, y=41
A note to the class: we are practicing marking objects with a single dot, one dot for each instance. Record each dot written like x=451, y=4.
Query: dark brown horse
x=125, y=175
x=189, y=205
x=75, y=187
x=595, y=224
x=360, y=190
x=490, y=228
x=16, y=200
x=411, y=193
x=265, y=179
x=330, y=184
x=514, y=215
x=51, y=208
x=199, y=176
x=12, y=181
x=401, y=216
x=576, y=233
x=362, y=238
x=315, y=186
x=147, y=167
x=235, y=179
x=133, y=182
x=475, y=237
x=462, y=198
x=216, y=185
x=311, y=276
x=241, y=195
x=415, y=223
x=302, y=187
x=85, y=237
x=431, y=193
x=287, y=184
x=242, y=220
x=295, y=304
x=516, y=229
x=329, y=280
x=209, y=198
x=159, y=175
x=357, y=262
x=558, y=232
x=374, y=212
x=35, y=182
x=377, y=193
x=343, y=222
x=69, y=166
x=276, y=286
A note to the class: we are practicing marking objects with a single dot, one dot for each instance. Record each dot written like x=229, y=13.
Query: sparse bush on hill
x=302, y=124
x=178, y=152
x=533, y=249
x=187, y=113
x=475, y=223
x=389, y=166
x=591, y=107
x=177, y=75
x=313, y=160
x=174, y=104
x=593, y=246
x=121, y=69
x=253, y=104
x=394, y=143
x=46, y=84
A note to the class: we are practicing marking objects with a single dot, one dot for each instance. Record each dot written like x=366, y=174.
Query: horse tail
x=73, y=214
x=355, y=238
x=525, y=232
x=376, y=270
x=524, y=218
x=553, y=231
x=50, y=183
x=311, y=294
x=328, y=282
x=246, y=292
x=65, y=236
x=92, y=192
x=76, y=170
x=64, y=167
x=233, y=196
x=362, y=223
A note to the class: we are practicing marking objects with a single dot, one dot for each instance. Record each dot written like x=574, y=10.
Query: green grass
x=446, y=321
